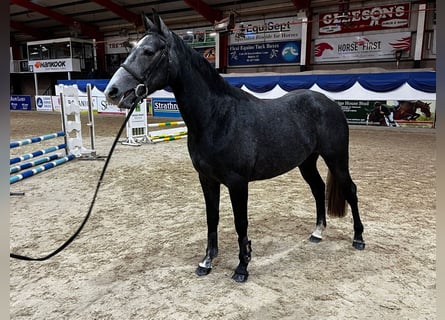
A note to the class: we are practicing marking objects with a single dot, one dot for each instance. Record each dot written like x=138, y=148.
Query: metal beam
x=125, y=14
x=301, y=4
x=35, y=33
x=86, y=29
x=205, y=10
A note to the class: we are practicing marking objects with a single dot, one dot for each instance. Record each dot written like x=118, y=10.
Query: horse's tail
x=335, y=198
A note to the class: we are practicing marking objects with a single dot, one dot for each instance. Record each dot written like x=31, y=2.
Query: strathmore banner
x=366, y=47
x=377, y=18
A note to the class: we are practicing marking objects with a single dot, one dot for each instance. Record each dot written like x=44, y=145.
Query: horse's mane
x=201, y=65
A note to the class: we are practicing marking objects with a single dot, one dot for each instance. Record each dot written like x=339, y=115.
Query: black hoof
x=201, y=271
x=358, y=244
x=314, y=239
x=237, y=277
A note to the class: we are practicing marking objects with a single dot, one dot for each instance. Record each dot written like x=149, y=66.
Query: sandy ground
x=135, y=258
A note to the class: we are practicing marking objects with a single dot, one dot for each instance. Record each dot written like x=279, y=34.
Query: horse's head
x=424, y=107
x=146, y=68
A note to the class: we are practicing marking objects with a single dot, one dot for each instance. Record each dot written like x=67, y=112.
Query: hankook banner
x=54, y=65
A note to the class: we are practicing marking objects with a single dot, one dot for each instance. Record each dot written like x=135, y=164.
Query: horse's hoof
x=358, y=244
x=201, y=271
x=238, y=277
x=314, y=239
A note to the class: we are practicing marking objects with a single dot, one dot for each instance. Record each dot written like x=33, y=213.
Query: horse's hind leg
x=350, y=191
x=311, y=175
x=342, y=180
x=239, y=196
x=211, y=190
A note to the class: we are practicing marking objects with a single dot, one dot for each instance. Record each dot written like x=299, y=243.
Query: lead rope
x=63, y=246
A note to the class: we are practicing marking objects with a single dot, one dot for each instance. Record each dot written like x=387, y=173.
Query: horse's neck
x=418, y=105
x=408, y=107
x=196, y=86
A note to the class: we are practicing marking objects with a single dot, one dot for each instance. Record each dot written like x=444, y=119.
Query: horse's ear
x=162, y=28
x=148, y=25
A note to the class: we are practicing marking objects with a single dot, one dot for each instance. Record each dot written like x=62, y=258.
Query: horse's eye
x=148, y=51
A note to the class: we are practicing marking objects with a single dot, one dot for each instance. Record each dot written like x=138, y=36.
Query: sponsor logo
x=321, y=47
x=50, y=64
x=402, y=44
x=165, y=106
x=39, y=102
x=290, y=52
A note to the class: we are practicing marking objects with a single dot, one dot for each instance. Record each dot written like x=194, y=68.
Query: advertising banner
x=402, y=113
x=266, y=42
x=137, y=124
x=54, y=65
x=116, y=45
x=18, y=102
x=377, y=18
x=268, y=30
x=265, y=53
x=356, y=111
x=44, y=103
x=103, y=106
x=365, y=47
x=83, y=103
x=164, y=107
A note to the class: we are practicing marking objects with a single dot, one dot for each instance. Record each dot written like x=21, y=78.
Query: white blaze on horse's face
x=143, y=68
x=121, y=82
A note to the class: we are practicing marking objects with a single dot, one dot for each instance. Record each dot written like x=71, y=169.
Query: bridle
x=141, y=90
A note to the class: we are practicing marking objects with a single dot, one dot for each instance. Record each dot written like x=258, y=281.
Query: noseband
x=141, y=90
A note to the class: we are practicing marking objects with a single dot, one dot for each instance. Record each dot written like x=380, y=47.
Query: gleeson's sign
x=366, y=19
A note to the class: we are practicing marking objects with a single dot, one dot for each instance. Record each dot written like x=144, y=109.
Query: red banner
x=365, y=19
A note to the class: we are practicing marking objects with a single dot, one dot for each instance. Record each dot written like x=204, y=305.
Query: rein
x=63, y=246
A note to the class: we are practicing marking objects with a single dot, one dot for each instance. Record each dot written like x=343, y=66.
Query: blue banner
x=164, y=107
x=20, y=103
x=267, y=53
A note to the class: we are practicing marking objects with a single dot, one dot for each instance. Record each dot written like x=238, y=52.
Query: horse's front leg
x=211, y=190
x=238, y=197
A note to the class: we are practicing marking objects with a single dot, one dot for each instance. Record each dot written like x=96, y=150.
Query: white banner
x=270, y=30
x=44, y=103
x=105, y=107
x=54, y=65
x=364, y=47
x=116, y=45
x=83, y=102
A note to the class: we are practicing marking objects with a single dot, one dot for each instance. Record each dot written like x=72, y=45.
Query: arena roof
x=48, y=19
